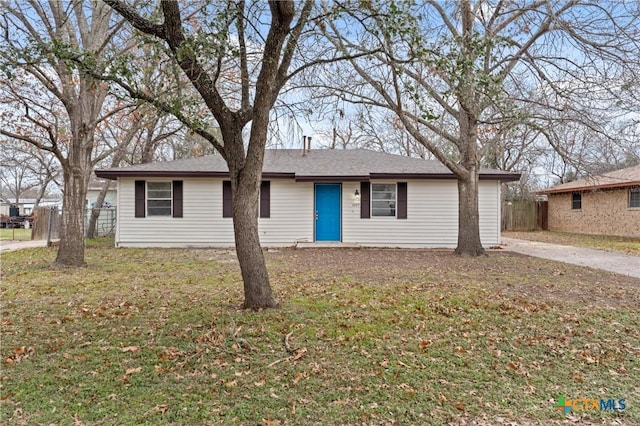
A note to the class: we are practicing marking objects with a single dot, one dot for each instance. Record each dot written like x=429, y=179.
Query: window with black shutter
x=140, y=203
x=177, y=198
x=402, y=200
x=265, y=199
x=227, y=199
x=365, y=200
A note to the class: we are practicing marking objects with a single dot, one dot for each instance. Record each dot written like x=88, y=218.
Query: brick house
x=608, y=204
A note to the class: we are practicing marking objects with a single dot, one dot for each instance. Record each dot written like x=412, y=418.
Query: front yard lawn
x=368, y=336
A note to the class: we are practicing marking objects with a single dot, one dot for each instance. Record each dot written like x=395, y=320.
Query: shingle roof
x=616, y=179
x=317, y=164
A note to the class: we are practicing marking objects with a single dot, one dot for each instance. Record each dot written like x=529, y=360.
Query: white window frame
x=379, y=200
x=150, y=210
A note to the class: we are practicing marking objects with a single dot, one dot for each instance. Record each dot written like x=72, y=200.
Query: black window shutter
x=365, y=200
x=227, y=199
x=265, y=199
x=177, y=198
x=402, y=200
x=140, y=189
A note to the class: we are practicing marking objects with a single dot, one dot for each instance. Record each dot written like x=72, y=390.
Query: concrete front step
x=325, y=244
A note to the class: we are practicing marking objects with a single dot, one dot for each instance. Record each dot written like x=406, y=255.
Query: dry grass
x=363, y=337
x=15, y=234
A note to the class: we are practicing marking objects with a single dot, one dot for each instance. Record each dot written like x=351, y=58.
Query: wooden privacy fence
x=46, y=224
x=524, y=215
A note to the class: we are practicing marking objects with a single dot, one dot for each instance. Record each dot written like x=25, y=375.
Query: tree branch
x=142, y=24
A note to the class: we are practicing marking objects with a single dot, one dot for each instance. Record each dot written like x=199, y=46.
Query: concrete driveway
x=6, y=245
x=598, y=259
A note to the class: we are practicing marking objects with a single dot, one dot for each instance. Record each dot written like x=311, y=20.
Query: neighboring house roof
x=315, y=165
x=617, y=179
x=43, y=202
x=95, y=184
x=30, y=202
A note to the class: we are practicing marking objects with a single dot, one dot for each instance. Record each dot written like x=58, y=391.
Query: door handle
x=316, y=215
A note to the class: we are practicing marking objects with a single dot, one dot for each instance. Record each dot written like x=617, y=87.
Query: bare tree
x=236, y=57
x=25, y=169
x=56, y=108
x=130, y=136
x=445, y=69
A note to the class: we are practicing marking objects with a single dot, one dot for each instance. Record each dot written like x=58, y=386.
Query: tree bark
x=257, y=290
x=71, y=249
x=469, y=243
x=77, y=170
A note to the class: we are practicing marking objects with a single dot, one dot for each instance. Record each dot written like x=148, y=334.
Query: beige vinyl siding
x=432, y=211
x=203, y=225
x=291, y=214
x=432, y=216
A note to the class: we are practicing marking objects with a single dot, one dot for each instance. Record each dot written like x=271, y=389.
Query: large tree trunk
x=77, y=172
x=468, y=217
x=257, y=290
x=469, y=243
x=71, y=249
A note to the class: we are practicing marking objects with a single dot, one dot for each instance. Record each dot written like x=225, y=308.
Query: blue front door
x=328, y=211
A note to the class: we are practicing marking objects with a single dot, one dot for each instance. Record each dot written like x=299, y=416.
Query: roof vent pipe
x=309, y=144
x=304, y=145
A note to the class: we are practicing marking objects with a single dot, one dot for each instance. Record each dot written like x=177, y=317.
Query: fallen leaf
x=299, y=353
x=160, y=408
x=133, y=370
x=269, y=422
x=298, y=377
x=131, y=349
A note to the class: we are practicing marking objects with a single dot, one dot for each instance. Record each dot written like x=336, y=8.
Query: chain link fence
x=106, y=223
